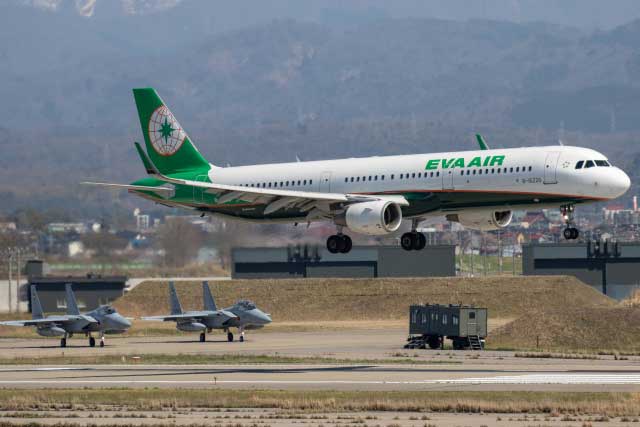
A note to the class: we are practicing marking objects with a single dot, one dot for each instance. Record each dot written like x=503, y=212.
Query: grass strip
x=207, y=359
x=604, y=404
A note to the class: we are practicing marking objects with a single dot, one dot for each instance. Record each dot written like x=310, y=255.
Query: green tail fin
x=168, y=145
x=483, y=145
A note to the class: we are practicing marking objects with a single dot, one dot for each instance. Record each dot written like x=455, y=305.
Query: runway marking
x=563, y=379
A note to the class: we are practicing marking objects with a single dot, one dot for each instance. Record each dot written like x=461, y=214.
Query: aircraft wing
x=51, y=320
x=170, y=317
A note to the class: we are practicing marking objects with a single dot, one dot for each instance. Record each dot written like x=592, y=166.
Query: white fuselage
x=547, y=174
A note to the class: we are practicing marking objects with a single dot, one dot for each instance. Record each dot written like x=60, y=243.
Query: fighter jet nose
x=126, y=323
x=264, y=318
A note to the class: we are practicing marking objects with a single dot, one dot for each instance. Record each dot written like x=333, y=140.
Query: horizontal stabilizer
x=160, y=190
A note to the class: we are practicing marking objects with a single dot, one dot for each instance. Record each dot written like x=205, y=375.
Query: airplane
x=104, y=319
x=478, y=189
x=243, y=315
x=196, y=321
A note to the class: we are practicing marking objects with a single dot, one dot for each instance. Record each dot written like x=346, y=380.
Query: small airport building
x=363, y=261
x=613, y=268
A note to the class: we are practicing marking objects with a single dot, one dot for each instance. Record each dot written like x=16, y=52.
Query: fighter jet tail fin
x=72, y=305
x=36, y=307
x=176, y=308
x=209, y=302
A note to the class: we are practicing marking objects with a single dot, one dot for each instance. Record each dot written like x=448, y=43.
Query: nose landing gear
x=571, y=232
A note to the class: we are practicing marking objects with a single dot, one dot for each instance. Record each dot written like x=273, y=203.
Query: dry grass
x=206, y=359
x=572, y=328
x=371, y=299
x=603, y=404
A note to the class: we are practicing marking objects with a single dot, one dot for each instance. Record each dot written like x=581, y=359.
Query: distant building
x=362, y=261
x=7, y=227
x=67, y=227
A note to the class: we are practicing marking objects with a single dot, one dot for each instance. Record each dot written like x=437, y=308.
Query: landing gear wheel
x=347, y=244
x=63, y=342
x=419, y=242
x=241, y=338
x=571, y=233
x=229, y=337
x=92, y=342
x=406, y=241
x=101, y=341
x=203, y=337
x=335, y=244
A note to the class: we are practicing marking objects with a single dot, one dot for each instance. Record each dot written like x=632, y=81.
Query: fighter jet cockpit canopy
x=246, y=304
x=106, y=309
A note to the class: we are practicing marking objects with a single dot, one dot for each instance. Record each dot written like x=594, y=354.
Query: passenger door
x=550, y=166
x=325, y=182
x=447, y=179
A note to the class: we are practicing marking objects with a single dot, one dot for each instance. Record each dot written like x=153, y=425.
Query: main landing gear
x=413, y=241
x=63, y=341
x=569, y=233
x=203, y=337
x=339, y=243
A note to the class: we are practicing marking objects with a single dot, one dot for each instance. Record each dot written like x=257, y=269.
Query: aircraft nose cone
x=620, y=183
x=264, y=318
x=124, y=322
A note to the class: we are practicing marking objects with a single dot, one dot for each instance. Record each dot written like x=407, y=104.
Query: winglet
x=176, y=308
x=36, y=307
x=72, y=305
x=148, y=165
x=483, y=145
x=209, y=302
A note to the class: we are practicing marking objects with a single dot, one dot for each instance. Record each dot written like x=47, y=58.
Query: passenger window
x=431, y=174
x=358, y=179
x=510, y=170
x=413, y=175
x=369, y=177
x=461, y=172
x=346, y=180
x=530, y=168
x=392, y=176
x=438, y=173
x=382, y=178
x=310, y=182
x=299, y=181
x=480, y=172
x=589, y=164
x=518, y=169
x=474, y=171
x=401, y=175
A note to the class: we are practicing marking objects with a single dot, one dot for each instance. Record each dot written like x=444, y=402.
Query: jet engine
x=51, y=331
x=373, y=218
x=482, y=220
x=191, y=327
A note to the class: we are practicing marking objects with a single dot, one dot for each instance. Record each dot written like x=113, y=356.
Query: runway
x=329, y=377
x=357, y=360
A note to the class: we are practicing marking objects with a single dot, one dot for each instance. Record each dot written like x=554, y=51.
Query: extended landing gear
x=102, y=340
x=92, y=341
x=229, y=336
x=339, y=243
x=203, y=337
x=413, y=241
x=569, y=233
x=63, y=342
x=241, y=334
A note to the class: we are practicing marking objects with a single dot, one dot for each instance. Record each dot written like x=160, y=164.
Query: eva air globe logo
x=165, y=133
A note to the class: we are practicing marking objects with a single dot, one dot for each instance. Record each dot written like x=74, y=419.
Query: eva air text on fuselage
x=461, y=162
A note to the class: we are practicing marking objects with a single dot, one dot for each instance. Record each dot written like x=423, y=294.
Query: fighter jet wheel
x=230, y=337
x=92, y=342
x=202, y=337
x=63, y=342
x=241, y=338
x=406, y=241
x=101, y=343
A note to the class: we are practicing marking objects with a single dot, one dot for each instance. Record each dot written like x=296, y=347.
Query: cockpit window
x=589, y=164
x=246, y=304
x=579, y=164
x=602, y=163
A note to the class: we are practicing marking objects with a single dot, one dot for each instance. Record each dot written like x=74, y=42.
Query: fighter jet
x=104, y=320
x=242, y=315
x=195, y=321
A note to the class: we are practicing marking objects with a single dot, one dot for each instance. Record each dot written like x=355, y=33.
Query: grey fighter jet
x=195, y=321
x=102, y=320
x=243, y=315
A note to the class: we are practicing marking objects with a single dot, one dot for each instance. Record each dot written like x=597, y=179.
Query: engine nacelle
x=191, y=327
x=482, y=220
x=373, y=218
x=52, y=331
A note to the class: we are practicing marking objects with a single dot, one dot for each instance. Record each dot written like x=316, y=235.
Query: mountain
x=370, y=84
